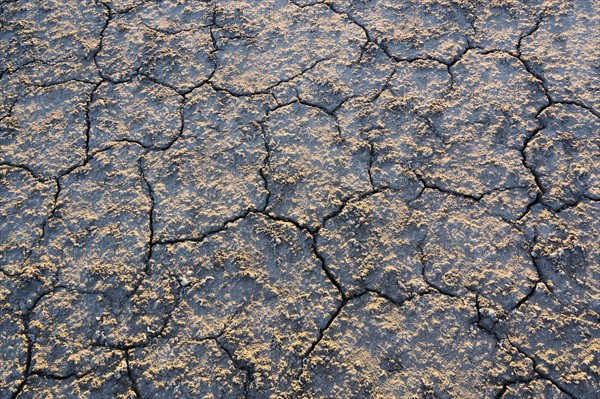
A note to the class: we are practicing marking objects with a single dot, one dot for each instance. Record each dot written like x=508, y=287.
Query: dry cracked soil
x=299, y=199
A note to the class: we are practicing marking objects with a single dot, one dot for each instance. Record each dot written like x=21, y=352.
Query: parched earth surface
x=299, y=199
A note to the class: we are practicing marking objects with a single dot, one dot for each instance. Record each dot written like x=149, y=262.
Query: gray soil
x=299, y=199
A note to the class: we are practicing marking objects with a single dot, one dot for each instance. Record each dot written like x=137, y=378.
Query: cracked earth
x=299, y=199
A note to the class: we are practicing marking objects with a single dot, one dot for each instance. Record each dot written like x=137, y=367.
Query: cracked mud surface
x=299, y=199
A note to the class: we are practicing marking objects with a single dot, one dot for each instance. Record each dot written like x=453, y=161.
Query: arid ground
x=299, y=199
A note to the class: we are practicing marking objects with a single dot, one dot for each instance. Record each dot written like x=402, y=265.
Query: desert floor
x=299, y=199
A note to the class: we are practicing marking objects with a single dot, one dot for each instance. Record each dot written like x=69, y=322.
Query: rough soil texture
x=299, y=199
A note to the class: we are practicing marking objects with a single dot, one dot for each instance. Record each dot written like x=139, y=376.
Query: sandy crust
x=299, y=199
